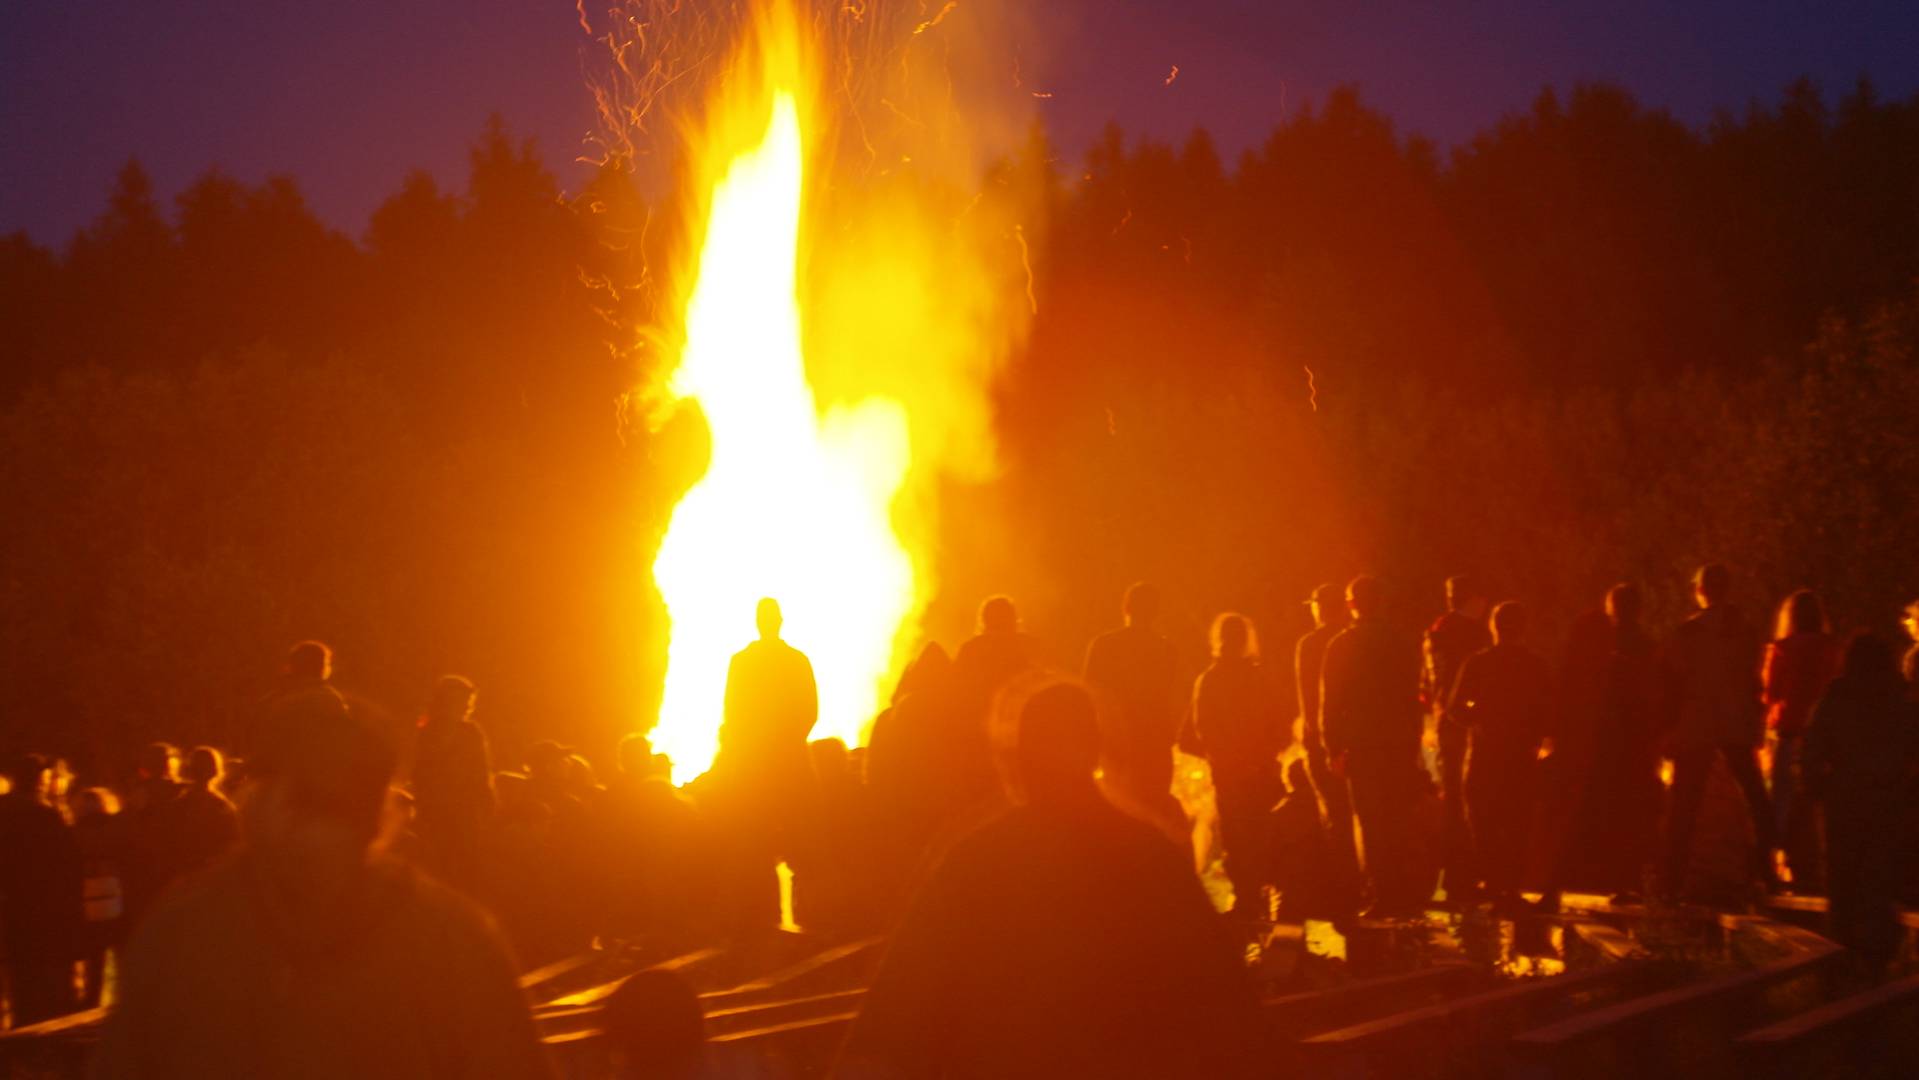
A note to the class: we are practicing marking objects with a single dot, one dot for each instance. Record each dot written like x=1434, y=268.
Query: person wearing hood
x=310, y=954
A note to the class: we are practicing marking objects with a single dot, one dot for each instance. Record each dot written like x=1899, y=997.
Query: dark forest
x=1590, y=344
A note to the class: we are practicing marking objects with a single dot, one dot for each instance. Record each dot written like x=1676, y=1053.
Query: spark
x=1042, y=94
x=1026, y=261
x=935, y=20
x=1171, y=75
x=1124, y=218
x=1312, y=387
x=580, y=6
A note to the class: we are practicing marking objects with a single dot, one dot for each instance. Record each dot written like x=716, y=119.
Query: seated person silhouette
x=1065, y=938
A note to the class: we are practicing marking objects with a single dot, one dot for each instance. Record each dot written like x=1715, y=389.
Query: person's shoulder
x=427, y=904
x=192, y=907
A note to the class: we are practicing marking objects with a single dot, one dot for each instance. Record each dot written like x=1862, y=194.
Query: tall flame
x=793, y=505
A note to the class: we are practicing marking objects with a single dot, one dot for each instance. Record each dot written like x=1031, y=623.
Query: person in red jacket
x=1801, y=662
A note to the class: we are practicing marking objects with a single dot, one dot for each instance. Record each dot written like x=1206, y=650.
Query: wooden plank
x=811, y=1025
x=1467, y=1035
x=783, y=978
x=593, y=995
x=767, y=1014
x=559, y=968
x=1693, y=1023
x=1295, y=1016
x=1873, y=1033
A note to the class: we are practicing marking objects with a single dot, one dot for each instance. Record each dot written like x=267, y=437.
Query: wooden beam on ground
x=1466, y=1036
x=1687, y=1030
x=1295, y=1016
x=593, y=995
x=1867, y=1035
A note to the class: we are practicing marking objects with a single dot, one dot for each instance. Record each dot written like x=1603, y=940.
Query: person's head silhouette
x=1366, y=597
x=1801, y=613
x=1623, y=604
x=160, y=761
x=452, y=700
x=310, y=661
x=1141, y=606
x=27, y=775
x=1870, y=658
x=1464, y=595
x=1712, y=585
x=1510, y=620
x=1233, y=637
x=205, y=767
x=654, y=1026
x=1051, y=745
x=319, y=779
x=766, y=616
x=1326, y=607
x=998, y=616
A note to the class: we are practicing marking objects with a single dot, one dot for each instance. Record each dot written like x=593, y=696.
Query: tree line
x=1591, y=343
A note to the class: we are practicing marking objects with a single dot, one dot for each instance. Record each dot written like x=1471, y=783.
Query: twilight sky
x=348, y=96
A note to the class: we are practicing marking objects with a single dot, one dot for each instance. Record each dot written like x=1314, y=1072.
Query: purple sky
x=349, y=95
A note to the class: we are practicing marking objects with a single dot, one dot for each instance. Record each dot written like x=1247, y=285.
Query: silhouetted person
x=1236, y=713
x=1712, y=675
x=837, y=859
x=150, y=860
x=989, y=659
x=771, y=704
x=1909, y=667
x=654, y=1028
x=99, y=833
x=1577, y=715
x=1617, y=816
x=927, y=757
x=1861, y=757
x=546, y=769
x=1801, y=661
x=1133, y=673
x=452, y=784
x=1065, y=938
x=1328, y=609
x=1503, y=696
x=156, y=781
x=1309, y=887
x=762, y=775
x=40, y=890
x=1453, y=637
x=658, y=874
x=311, y=955
x=309, y=664
x=1370, y=719
x=203, y=824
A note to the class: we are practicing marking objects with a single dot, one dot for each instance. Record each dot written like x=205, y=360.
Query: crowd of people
x=1378, y=774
